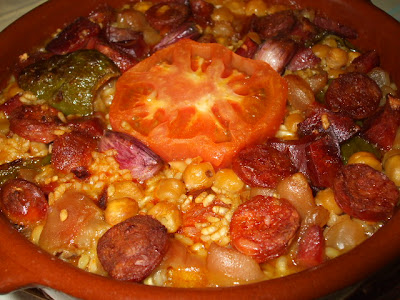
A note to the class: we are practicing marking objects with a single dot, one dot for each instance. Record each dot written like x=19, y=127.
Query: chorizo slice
x=11, y=104
x=133, y=248
x=201, y=11
x=365, y=62
x=304, y=31
x=263, y=227
x=23, y=202
x=262, y=166
x=335, y=27
x=273, y=25
x=311, y=250
x=164, y=16
x=323, y=160
x=91, y=126
x=382, y=127
x=248, y=48
x=35, y=122
x=72, y=151
x=365, y=193
x=74, y=37
x=323, y=121
x=353, y=94
x=121, y=59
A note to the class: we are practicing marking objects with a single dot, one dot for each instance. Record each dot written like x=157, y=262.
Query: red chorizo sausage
x=365, y=62
x=72, y=151
x=365, y=193
x=382, y=127
x=263, y=227
x=311, y=251
x=74, y=37
x=35, y=123
x=353, y=94
x=121, y=59
x=273, y=25
x=323, y=160
x=23, y=202
x=164, y=16
x=262, y=166
x=11, y=104
x=335, y=27
x=91, y=126
x=201, y=11
x=248, y=48
x=321, y=120
x=133, y=248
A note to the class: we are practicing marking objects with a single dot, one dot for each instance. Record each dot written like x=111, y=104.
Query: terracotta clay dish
x=24, y=265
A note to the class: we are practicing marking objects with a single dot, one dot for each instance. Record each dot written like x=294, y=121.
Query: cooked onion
x=233, y=264
x=297, y=190
x=301, y=96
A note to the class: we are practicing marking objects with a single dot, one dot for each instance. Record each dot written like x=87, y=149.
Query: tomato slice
x=196, y=99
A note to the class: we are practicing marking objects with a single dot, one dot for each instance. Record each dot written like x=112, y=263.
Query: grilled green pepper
x=357, y=144
x=10, y=170
x=69, y=82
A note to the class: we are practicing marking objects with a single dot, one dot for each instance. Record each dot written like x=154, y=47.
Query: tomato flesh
x=192, y=99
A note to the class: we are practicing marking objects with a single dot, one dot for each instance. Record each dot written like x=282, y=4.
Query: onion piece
x=276, y=52
x=185, y=31
x=233, y=264
x=298, y=192
x=345, y=234
x=132, y=154
x=300, y=95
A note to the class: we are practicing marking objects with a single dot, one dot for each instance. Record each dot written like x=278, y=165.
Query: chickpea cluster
x=164, y=200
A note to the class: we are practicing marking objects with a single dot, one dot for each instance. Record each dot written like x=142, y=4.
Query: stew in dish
x=199, y=143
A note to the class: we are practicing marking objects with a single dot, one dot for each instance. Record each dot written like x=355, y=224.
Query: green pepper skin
x=357, y=144
x=10, y=170
x=69, y=82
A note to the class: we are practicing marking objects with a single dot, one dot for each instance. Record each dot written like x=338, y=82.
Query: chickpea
x=125, y=189
x=223, y=29
x=334, y=73
x=391, y=165
x=222, y=14
x=326, y=198
x=199, y=176
x=321, y=50
x=142, y=6
x=352, y=56
x=336, y=58
x=331, y=42
x=168, y=214
x=366, y=158
x=4, y=126
x=13, y=90
x=119, y=210
x=256, y=7
x=292, y=120
x=170, y=189
x=236, y=7
x=227, y=180
x=345, y=235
